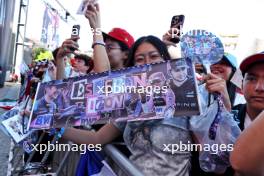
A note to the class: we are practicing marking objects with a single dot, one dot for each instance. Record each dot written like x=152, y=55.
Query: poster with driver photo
x=15, y=129
x=183, y=83
x=150, y=91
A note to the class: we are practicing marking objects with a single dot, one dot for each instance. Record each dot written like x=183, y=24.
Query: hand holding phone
x=75, y=32
x=176, y=26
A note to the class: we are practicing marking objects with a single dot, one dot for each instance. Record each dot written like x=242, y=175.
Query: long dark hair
x=156, y=42
x=231, y=88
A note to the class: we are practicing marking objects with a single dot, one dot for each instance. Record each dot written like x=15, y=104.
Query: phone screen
x=75, y=31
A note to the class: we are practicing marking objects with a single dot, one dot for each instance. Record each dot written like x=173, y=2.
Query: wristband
x=98, y=43
x=61, y=132
x=52, y=131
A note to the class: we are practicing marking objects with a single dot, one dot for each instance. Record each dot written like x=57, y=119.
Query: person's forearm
x=101, y=61
x=80, y=136
x=248, y=154
x=105, y=135
x=60, y=68
x=226, y=101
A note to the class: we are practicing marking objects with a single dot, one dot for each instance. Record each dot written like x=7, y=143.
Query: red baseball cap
x=120, y=35
x=250, y=60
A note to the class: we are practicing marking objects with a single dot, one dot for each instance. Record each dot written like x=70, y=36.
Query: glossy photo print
x=153, y=91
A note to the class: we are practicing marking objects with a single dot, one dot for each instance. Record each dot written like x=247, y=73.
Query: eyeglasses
x=109, y=47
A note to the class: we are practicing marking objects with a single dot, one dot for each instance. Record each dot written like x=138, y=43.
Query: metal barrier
x=123, y=162
x=119, y=159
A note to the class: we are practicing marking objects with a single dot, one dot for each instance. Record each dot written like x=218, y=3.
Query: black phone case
x=174, y=21
x=74, y=29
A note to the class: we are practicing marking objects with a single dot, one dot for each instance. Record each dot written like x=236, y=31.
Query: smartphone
x=177, y=22
x=75, y=31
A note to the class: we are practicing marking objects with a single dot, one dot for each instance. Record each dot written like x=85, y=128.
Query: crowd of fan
x=117, y=49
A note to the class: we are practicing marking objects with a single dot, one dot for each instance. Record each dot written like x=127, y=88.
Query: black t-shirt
x=185, y=96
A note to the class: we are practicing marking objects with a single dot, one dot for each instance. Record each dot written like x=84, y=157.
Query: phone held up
x=176, y=24
x=75, y=33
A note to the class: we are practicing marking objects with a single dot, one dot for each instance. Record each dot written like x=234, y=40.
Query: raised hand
x=93, y=15
x=215, y=84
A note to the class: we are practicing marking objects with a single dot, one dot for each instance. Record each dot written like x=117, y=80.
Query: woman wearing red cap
x=113, y=47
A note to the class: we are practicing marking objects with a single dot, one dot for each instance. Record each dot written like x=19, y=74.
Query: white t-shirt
x=239, y=99
x=247, y=122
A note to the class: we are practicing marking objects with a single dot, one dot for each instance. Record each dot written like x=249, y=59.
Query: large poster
x=15, y=128
x=154, y=91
